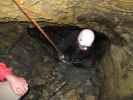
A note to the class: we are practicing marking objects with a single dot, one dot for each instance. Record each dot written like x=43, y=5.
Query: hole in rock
x=30, y=55
x=65, y=39
x=80, y=69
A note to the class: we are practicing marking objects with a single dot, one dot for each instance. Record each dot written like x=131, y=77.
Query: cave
x=31, y=55
x=58, y=34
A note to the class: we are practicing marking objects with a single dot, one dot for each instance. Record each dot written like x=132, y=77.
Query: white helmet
x=86, y=37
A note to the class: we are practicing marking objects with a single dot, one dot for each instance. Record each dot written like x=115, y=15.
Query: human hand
x=18, y=84
x=62, y=58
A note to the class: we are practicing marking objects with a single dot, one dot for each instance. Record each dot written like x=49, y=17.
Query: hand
x=18, y=84
x=64, y=59
x=61, y=57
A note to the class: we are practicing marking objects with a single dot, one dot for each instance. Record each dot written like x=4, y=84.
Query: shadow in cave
x=85, y=81
x=60, y=34
x=75, y=73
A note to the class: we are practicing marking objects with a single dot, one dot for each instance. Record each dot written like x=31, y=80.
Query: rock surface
x=48, y=78
x=113, y=17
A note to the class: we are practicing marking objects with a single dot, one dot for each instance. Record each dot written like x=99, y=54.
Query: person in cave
x=78, y=46
x=83, y=47
x=12, y=87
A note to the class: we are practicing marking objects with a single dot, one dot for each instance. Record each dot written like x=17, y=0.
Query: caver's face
x=81, y=44
x=82, y=47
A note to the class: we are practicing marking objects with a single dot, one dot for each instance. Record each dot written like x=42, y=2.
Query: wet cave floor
x=49, y=79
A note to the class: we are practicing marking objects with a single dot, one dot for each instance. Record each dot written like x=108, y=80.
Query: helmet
x=86, y=37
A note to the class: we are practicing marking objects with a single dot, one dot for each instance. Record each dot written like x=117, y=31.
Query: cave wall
x=68, y=11
x=113, y=17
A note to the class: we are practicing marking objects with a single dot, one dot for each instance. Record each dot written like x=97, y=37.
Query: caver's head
x=85, y=39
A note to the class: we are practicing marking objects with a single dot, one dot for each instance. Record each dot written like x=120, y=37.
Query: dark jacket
x=74, y=54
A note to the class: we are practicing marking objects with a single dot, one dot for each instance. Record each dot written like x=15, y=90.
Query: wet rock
x=48, y=78
x=72, y=95
x=90, y=98
x=33, y=60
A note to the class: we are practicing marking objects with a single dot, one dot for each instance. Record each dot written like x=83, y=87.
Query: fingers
x=21, y=87
x=21, y=90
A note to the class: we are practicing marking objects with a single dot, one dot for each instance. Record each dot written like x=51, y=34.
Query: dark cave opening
x=75, y=72
x=37, y=59
x=58, y=34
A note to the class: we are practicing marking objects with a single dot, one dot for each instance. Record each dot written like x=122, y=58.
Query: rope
x=37, y=25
